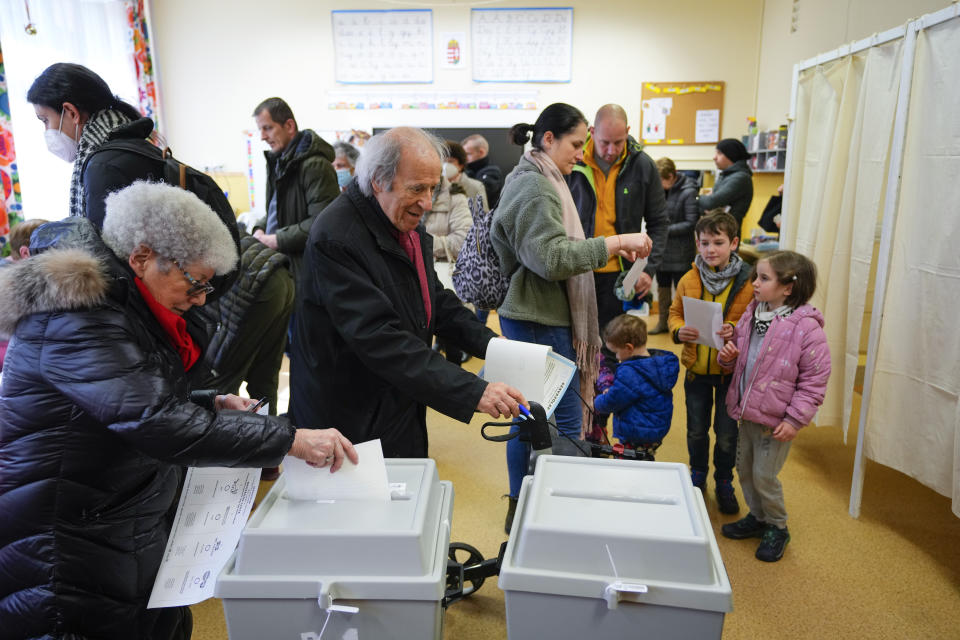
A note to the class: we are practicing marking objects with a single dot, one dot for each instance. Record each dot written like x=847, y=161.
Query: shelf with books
x=768, y=149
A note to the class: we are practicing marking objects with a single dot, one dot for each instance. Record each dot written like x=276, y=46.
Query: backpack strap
x=140, y=147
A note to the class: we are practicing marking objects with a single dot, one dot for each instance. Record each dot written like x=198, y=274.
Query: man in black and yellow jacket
x=616, y=188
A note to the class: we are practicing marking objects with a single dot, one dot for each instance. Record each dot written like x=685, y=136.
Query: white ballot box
x=612, y=549
x=345, y=568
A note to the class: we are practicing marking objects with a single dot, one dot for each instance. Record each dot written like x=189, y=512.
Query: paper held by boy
x=707, y=318
x=540, y=374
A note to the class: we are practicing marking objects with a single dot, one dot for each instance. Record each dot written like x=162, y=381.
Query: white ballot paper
x=706, y=317
x=214, y=506
x=630, y=280
x=540, y=374
x=366, y=480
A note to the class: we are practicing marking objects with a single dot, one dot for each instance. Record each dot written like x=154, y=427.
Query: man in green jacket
x=301, y=180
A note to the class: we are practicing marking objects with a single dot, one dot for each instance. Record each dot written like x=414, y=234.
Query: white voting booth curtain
x=914, y=414
x=842, y=132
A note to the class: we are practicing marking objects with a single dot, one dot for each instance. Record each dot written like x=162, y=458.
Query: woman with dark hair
x=539, y=239
x=733, y=191
x=80, y=113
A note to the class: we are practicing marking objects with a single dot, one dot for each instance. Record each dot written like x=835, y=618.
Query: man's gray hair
x=348, y=151
x=381, y=156
x=172, y=221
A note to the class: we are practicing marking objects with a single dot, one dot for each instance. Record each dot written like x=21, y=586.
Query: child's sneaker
x=699, y=479
x=773, y=543
x=726, y=498
x=748, y=527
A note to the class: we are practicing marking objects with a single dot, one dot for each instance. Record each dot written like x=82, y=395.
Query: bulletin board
x=522, y=45
x=681, y=112
x=383, y=46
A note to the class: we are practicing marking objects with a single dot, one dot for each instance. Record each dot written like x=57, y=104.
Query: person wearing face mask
x=454, y=170
x=540, y=241
x=345, y=162
x=79, y=114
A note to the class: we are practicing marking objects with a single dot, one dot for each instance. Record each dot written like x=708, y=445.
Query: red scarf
x=410, y=243
x=174, y=326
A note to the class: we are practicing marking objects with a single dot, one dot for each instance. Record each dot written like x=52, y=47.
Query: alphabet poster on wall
x=383, y=46
x=522, y=45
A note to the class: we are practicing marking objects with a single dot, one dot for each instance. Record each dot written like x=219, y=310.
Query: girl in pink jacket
x=781, y=365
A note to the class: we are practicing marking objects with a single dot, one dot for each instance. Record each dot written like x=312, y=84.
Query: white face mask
x=60, y=144
x=450, y=170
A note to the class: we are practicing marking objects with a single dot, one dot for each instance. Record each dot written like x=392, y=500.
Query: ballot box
x=343, y=569
x=612, y=549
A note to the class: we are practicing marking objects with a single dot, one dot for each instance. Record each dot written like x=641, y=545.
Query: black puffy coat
x=683, y=212
x=362, y=360
x=97, y=420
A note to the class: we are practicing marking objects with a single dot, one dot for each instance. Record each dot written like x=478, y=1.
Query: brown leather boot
x=663, y=301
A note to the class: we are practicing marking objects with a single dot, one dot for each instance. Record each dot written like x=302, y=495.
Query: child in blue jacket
x=641, y=397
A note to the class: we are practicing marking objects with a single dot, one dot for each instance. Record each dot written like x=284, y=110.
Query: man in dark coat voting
x=370, y=304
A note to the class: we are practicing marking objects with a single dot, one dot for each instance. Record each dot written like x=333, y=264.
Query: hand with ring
x=322, y=447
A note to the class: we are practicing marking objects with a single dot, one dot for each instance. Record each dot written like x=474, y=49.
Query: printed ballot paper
x=214, y=506
x=706, y=317
x=366, y=480
x=540, y=374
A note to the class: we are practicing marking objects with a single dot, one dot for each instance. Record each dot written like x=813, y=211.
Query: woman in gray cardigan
x=538, y=237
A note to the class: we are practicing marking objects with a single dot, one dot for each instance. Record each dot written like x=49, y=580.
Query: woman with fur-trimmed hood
x=97, y=415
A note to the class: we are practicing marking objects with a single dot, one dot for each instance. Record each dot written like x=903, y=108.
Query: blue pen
x=525, y=412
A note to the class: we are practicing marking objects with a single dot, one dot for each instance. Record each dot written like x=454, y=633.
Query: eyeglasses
x=196, y=287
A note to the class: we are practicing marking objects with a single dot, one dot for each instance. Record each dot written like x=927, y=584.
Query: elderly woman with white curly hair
x=98, y=417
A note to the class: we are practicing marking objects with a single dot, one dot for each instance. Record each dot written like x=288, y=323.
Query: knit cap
x=733, y=149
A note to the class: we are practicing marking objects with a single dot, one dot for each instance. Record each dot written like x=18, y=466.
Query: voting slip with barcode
x=534, y=369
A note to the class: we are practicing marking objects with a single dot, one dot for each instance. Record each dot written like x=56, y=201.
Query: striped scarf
x=715, y=281
x=95, y=133
x=763, y=315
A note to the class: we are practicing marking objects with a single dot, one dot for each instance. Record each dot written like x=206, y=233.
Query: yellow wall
x=236, y=187
x=764, y=186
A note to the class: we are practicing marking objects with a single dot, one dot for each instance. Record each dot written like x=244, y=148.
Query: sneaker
x=699, y=479
x=511, y=511
x=773, y=543
x=748, y=527
x=726, y=498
